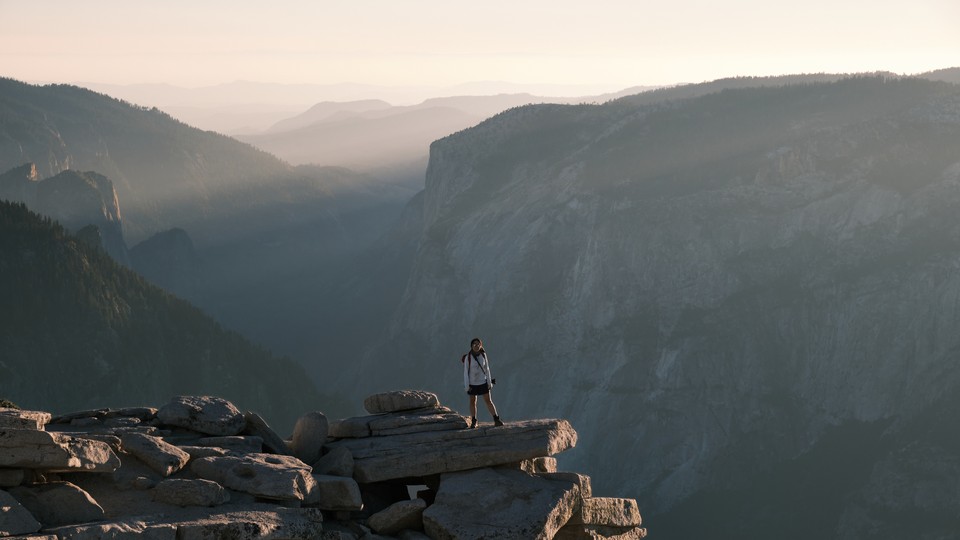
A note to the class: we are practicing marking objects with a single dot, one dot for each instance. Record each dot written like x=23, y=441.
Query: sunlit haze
x=604, y=45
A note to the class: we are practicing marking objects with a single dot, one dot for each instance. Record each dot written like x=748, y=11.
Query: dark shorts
x=478, y=389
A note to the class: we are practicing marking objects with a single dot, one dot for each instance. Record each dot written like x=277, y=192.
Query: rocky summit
x=198, y=468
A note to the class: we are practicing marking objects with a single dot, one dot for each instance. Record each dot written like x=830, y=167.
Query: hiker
x=477, y=381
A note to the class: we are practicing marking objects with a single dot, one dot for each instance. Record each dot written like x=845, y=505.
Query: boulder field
x=199, y=468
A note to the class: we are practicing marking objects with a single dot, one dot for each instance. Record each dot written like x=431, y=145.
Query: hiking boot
x=497, y=422
x=473, y=422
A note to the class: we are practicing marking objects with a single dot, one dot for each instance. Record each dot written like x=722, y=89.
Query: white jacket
x=476, y=371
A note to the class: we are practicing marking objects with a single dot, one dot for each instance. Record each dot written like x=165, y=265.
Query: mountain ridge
x=713, y=270
x=166, y=173
x=262, y=230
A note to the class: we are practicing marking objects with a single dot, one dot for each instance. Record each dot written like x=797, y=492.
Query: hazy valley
x=79, y=330
x=743, y=294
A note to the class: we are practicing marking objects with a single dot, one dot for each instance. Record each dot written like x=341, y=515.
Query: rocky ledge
x=198, y=468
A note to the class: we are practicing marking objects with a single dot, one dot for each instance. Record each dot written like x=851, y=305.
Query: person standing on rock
x=477, y=381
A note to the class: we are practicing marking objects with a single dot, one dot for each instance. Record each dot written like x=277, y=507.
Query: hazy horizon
x=611, y=46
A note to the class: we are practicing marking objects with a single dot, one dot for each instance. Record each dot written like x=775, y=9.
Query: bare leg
x=490, y=406
x=473, y=406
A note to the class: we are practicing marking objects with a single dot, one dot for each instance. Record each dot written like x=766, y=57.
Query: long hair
x=477, y=340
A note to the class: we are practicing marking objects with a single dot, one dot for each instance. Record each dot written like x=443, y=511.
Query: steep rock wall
x=704, y=287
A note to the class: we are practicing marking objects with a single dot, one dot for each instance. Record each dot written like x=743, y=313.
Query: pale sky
x=447, y=42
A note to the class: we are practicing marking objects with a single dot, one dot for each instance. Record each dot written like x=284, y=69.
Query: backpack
x=479, y=365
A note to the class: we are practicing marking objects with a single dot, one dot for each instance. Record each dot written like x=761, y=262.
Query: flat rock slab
x=197, y=452
x=269, y=476
x=400, y=400
x=19, y=419
x=399, y=423
x=54, y=452
x=204, y=414
x=185, y=492
x=122, y=530
x=243, y=444
x=58, y=503
x=144, y=414
x=609, y=511
x=247, y=522
x=500, y=503
x=160, y=456
x=424, y=454
x=69, y=417
x=599, y=532
x=538, y=465
x=123, y=422
x=141, y=413
x=14, y=518
x=100, y=431
x=110, y=439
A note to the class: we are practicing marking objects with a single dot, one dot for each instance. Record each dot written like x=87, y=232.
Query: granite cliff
x=734, y=293
x=73, y=198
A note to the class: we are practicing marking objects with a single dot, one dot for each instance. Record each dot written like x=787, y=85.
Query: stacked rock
x=490, y=482
x=199, y=468
x=195, y=468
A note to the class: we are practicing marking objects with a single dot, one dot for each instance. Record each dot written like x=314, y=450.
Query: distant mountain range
x=745, y=291
x=369, y=135
x=249, y=107
x=267, y=237
x=166, y=174
x=78, y=331
x=374, y=136
x=951, y=75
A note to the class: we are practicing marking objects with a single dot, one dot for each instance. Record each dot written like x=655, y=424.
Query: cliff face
x=75, y=199
x=707, y=287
